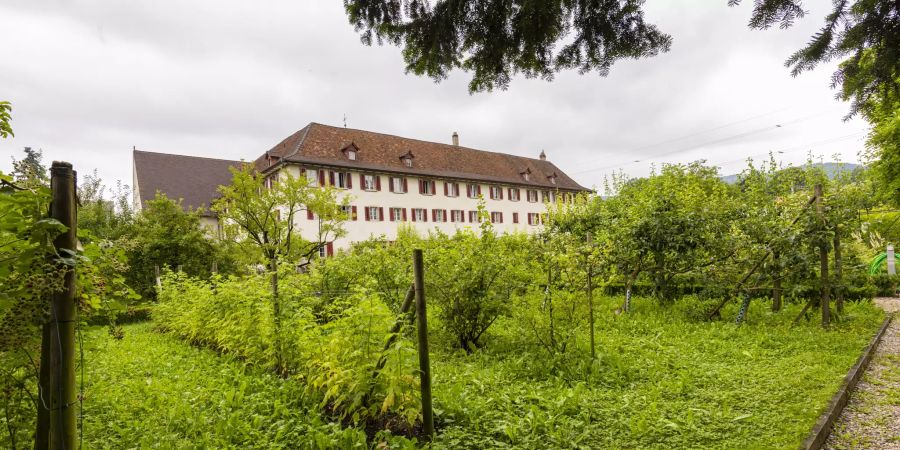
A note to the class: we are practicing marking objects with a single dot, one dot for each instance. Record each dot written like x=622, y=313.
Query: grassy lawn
x=662, y=380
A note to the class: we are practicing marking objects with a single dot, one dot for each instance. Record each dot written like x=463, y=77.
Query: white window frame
x=499, y=215
x=340, y=179
x=351, y=155
x=369, y=182
x=496, y=192
x=457, y=216
x=529, y=196
x=471, y=190
x=420, y=214
x=407, y=162
x=372, y=213
x=398, y=185
x=428, y=187
x=438, y=215
x=514, y=194
x=397, y=213
x=452, y=189
x=312, y=177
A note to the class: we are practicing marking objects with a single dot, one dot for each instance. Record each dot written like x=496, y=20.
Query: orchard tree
x=106, y=219
x=265, y=210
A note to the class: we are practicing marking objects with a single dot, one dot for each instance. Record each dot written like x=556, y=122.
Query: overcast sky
x=89, y=80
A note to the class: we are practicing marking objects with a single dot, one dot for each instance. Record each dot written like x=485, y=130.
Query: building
x=391, y=180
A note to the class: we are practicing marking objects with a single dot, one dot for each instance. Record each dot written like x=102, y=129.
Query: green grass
x=662, y=381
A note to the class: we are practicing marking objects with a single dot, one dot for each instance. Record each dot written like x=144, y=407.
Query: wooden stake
x=63, y=315
x=823, y=262
x=422, y=331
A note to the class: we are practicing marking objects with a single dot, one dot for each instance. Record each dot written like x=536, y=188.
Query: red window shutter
x=329, y=249
x=377, y=182
x=434, y=215
x=445, y=189
x=478, y=189
x=349, y=178
x=321, y=177
x=303, y=172
x=425, y=215
x=381, y=214
x=421, y=186
x=366, y=212
x=445, y=215
x=362, y=181
x=500, y=191
x=515, y=217
x=391, y=184
x=353, y=212
x=405, y=188
x=331, y=178
x=414, y=214
x=403, y=210
x=309, y=214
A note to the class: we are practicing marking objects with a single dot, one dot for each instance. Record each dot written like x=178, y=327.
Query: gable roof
x=324, y=144
x=193, y=179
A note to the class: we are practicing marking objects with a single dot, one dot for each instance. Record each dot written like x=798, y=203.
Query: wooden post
x=422, y=331
x=823, y=261
x=63, y=315
x=42, y=435
x=590, y=293
x=838, y=273
x=776, y=282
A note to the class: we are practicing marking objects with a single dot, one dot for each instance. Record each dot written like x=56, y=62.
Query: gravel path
x=872, y=418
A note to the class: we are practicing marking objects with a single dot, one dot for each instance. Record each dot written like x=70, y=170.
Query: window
x=398, y=185
x=526, y=175
x=497, y=217
x=326, y=249
x=534, y=219
x=351, y=155
x=457, y=215
x=515, y=217
x=496, y=193
x=439, y=215
x=342, y=180
x=552, y=179
x=398, y=214
x=451, y=189
x=322, y=251
x=312, y=177
x=532, y=195
x=474, y=217
x=374, y=213
x=473, y=190
x=545, y=196
x=350, y=211
x=371, y=182
x=426, y=187
x=514, y=194
x=407, y=162
x=419, y=215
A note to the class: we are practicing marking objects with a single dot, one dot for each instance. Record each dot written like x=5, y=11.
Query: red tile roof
x=323, y=145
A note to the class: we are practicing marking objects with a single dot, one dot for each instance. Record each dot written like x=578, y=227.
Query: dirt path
x=872, y=418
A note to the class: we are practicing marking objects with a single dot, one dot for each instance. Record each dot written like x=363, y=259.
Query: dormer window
x=552, y=178
x=407, y=159
x=350, y=151
x=526, y=175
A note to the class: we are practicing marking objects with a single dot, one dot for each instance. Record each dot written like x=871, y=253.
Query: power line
x=704, y=144
x=797, y=148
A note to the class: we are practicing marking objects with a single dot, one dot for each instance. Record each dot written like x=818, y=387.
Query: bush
x=886, y=285
x=336, y=359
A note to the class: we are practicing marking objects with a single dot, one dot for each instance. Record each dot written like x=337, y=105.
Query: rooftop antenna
x=345, y=120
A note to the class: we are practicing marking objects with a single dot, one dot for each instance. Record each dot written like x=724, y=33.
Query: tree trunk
x=276, y=313
x=776, y=283
x=838, y=274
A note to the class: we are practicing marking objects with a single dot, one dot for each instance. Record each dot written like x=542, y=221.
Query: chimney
x=543, y=156
x=455, y=139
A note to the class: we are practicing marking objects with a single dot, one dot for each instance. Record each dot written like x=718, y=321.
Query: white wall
x=361, y=229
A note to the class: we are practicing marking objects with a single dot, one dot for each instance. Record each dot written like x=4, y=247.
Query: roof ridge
x=302, y=139
x=427, y=142
x=185, y=156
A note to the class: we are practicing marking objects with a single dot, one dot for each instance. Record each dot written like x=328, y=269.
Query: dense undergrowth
x=663, y=379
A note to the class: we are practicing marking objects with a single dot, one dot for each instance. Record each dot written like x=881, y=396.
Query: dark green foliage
x=163, y=235
x=885, y=284
x=866, y=30
x=498, y=39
